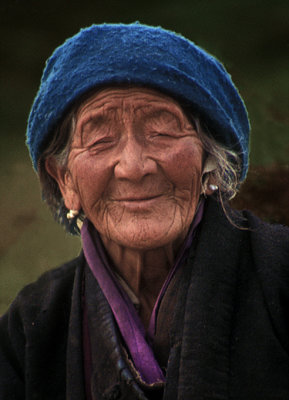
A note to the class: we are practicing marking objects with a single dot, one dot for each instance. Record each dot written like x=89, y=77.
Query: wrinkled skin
x=135, y=169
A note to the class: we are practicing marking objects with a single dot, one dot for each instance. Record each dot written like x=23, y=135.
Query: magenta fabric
x=129, y=323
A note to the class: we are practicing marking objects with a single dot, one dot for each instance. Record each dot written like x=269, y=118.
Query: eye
x=162, y=124
x=164, y=134
x=102, y=144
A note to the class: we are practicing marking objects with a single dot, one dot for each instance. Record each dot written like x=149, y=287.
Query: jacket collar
x=199, y=363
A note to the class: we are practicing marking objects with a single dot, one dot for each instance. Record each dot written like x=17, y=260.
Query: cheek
x=183, y=166
x=91, y=180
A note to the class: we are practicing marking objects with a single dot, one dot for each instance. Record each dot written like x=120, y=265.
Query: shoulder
x=37, y=320
x=270, y=250
x=270, y=242
x=53, y=288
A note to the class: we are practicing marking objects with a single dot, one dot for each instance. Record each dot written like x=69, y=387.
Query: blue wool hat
x=142, y=55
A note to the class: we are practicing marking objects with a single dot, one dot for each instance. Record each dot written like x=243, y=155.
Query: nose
x=133, y=162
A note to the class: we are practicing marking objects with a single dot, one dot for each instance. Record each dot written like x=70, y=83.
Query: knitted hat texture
x=143, y=55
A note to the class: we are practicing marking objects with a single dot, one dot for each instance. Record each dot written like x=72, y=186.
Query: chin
x=145, y=237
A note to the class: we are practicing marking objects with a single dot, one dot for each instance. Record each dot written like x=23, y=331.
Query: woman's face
x=134, y=167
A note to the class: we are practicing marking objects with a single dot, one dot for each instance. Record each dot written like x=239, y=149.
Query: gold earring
x=72, y=214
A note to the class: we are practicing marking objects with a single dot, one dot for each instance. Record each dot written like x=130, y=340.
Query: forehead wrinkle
x=94, y=106
x=128, y=92
x=127, y=102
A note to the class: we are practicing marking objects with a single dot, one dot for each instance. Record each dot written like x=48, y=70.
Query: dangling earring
x=213, y=187
x=72, y=214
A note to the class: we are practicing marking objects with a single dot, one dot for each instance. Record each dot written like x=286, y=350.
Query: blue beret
x=138, y=54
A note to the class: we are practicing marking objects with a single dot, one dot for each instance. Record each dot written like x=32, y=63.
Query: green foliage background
x=250, y=37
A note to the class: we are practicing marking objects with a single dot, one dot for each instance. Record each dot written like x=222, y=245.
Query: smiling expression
x=134, y=167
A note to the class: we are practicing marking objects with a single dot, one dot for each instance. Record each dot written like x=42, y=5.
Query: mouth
x=138, y=202
x=139, y=198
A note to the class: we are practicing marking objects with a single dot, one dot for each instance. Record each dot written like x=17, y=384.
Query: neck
x=144, y=271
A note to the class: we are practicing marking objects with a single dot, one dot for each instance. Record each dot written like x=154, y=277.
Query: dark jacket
x=229, y=337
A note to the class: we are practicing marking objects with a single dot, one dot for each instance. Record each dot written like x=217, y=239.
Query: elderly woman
x=139, y=138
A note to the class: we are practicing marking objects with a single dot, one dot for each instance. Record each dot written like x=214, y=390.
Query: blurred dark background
x=250, y=37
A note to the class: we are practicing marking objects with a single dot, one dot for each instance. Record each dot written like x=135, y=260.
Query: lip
x=139, y=198
x=138, y=202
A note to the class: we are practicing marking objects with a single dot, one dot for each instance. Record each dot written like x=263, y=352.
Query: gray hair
x=226, y=174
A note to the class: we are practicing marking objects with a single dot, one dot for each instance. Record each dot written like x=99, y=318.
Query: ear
x=208, y=179
x=65, y=183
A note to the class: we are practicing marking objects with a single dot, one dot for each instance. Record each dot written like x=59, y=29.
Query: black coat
x=229, y=338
